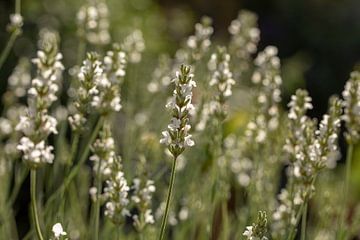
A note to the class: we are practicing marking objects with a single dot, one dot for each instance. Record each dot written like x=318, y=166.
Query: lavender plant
x=86, y=128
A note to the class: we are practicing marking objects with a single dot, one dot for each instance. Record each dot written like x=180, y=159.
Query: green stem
x=33, y=203
x=291, y=235
x=349, y=155
x=303, y=222
x=77, y=167
x=17, y=185
x=18, y=6
x=170, y=190
x=81, y=50
x=9, y=45
x=74, y=146
x=97, y=203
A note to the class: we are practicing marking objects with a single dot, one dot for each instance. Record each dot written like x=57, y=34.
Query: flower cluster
x=177, y=137
x=18, y=84
x=16, y=23
x=36, y=124
x=198, y=44
x=285, y=213
x=99, y=86
x=245, y=36
x=90, y=74
x=258, y=229
x=116, y=194
x=103, y=152
x=160, y=76
x=267, y=78
x=299, y=104
x=115, y=64
x=134, y=45
x=93, y=22
x=142, y=197
x=240, y=165
x=59, y=233
x=221, y=78
x=108, y=97
x=20, y=79
x=351, y=95
x=312, y=149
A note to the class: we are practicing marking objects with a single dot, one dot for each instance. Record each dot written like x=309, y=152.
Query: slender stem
x=225, y=221
x=297, y=219
x=303, y=222
x=18, y=6
x=77, y=167
x=81, y=50
x=33, y=203
x=97, y=203
x=13, y=36
x=9, y=45
x=170, y=190
x=74, y=146
x=349, y=155
x=17, y=185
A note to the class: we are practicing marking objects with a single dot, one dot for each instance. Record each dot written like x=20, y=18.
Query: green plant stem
x=170, y=190
x=34, y=203
x=18, y=6
x=303, y=222
x=81, y=50
x=349, y=155
x=74, y=146
x=13, y=36
x=8, y=47
x=17, y=185
x=77, y=167
x=97, y=203
x=297, y=219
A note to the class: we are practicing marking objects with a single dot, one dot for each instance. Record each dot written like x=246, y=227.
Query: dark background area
x=327, y=32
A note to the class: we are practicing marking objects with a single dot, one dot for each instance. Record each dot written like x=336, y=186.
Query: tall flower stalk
x=14, y=28
x=351, y=95
x=37, y=124
x=177, y=136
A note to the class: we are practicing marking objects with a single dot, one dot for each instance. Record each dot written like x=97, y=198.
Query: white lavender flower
x=198, y=44
x=351, y=95
x=258, y=229
x=107, y=99
x=221, y=78
x=36, y=124
x=16, y=23
x=35, y=153
x=134, y=45
x=299, y=104
x=20, y=79
x=116, y=194
x=285, y=213
x=91, y=73
x=58, y=232
x=103, y=152
x=143, y=191
x=310, y=149
x=268, y=81
x=177, y=137
x=93, y=22
x=160, y=76
x=240, y=165
x=115, y=64
x=245, y=36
